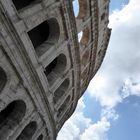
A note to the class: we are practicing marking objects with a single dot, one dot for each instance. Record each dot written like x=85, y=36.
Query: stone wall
x=44, y=66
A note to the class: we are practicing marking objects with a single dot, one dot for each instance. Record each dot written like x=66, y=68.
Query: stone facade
x=44, y=67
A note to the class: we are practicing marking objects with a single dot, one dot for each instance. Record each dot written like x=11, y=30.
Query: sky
x=110, y=107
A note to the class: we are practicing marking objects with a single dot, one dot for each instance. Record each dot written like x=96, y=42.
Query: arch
x=80, y=35
x=63, y=107
x=3, y=79
x=85, y=58
x=55, y=68
x=80, y=8
x=83, y=8
x=40, y=137
x=84, y=74
x=99, y=53
x=61, y=90
x=11, y=116
x=85, y=37
x=45, y=35
x=102, y=16
x=76, y=7
x=19, y=4
x=28, y=131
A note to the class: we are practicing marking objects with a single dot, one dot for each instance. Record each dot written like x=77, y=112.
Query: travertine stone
x=44, y=67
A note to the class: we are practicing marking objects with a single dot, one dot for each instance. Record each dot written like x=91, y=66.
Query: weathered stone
x=44, y=69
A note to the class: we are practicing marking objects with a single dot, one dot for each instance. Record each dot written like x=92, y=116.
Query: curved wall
x=47, y=59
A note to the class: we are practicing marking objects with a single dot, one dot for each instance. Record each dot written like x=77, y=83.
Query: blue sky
x=110, y=108
x=117, y=4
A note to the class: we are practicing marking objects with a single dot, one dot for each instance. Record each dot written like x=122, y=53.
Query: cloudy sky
x=110, y=108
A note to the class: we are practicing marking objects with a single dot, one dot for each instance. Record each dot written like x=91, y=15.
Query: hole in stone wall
x=99, y=53
x=80, y=36
x=102, y=16
x=61, y=90
x=75, y=7
x=50, y=67
x=55, y=68
x=63, y=107
x=19, y=4
x=28, y=131
x=10, y=117
x=3, y=79
x=44, y=35
x=40, y=137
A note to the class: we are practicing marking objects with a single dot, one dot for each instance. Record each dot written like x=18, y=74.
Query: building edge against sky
x=44, y=67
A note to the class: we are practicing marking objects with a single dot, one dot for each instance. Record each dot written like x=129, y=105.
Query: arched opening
x=84, y=74
x=40, y=137
x=10, y=117
x=45, y=35
x=85, y=37
x=19, y=4
x=61, y=90
x=99, y=53
x=80, y=36
x=102, y=16
x=85, y=58
x=3, y=79
x=76, y=6
x=83, y=9
x=55, y=68
x=80, y=8
x=63, y=107
x=28, y=131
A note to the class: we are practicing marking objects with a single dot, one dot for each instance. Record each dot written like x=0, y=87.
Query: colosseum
x=45, y=67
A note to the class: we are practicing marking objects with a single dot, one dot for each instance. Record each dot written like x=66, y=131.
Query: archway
x=45, y=35
x=61, y=90
x=19, y=4
x=3, y=79
x=11, y=116
x=28, y=131
x=55, y=68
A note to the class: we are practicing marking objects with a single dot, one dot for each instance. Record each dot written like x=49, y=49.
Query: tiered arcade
x=44, y=66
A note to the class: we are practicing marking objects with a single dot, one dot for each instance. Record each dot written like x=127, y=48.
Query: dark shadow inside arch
x=3, y=79
x=61, y=90
x=19, y=4
x=40, y=137
x=10, y=117
x=63, y=107
x=28, y=131
x=45, y=35
x=55, y=68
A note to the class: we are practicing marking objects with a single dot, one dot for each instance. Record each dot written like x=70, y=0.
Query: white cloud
x=110, y=114
x=122, y=58
x=130, y=87
x=69, y=132
x=75, y=125
x=79, y=127
x=100, y=88
x=96, y=131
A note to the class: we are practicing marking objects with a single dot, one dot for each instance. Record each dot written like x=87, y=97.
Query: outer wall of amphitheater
x=47, y=59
